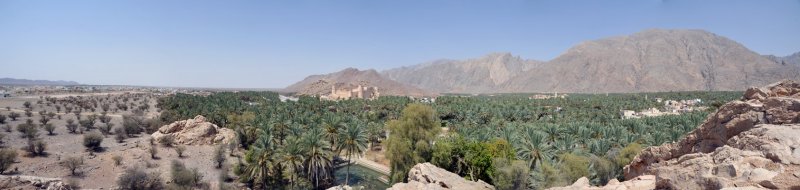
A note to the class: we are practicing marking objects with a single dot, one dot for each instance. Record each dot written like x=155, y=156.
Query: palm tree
x=317, y=156
x=533, y=147
x=292, y=155
x=260, y=161
x=352, y=141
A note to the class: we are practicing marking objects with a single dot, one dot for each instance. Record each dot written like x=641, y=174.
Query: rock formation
x=753, y=142
x=32, y=182
x=195, y=132
x=639, y=183
x=429, y=177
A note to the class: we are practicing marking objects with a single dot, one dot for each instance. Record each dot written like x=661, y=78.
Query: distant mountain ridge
x=789, y=59
x=648, y=61
x=13, y=81
x=479, y=75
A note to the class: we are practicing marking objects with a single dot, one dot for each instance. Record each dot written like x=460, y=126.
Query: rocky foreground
x=753, y=143
x=427, y=176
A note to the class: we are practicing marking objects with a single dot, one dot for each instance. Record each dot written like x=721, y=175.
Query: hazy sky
x=263, y=44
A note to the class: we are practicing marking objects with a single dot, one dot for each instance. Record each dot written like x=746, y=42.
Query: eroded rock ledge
x=429, y=177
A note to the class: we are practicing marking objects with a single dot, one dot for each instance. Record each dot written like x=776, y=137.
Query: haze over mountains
x=13, y=81
x=648, y=61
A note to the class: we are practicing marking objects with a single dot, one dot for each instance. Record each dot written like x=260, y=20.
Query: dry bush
x=92, y=141
x=136, y=178
x=72, y=164
x=7, y=157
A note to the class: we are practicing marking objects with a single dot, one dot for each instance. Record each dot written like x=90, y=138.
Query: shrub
x=627, y=154
x=72, y=164
x=513, y=175
x=136, y=178
x=92, y=141
x=117, y=159
x=87, y=124
x=29, y=131
x=71, y=126
x=28, y=113
x=219, y=155
x=27, y=104
x=13, y=116
x=184, y=177
x=166, y=140
x=106, y=128
x=7, y=157
x=49, y=128
x=2, y=119
x=179, y=149
x=574, y=166
x=44, y=120
x=39, y=147
x=119, y=134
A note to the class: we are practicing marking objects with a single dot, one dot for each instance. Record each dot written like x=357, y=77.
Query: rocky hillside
x=481, y=75
x=752, y=142
x=790, y=59
x=321, y=84
x=653, y=60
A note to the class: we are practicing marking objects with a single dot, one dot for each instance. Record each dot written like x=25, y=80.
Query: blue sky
x=271, y=44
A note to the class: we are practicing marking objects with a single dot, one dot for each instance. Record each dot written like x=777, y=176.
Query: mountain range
x=13, y=81
x=648, y=61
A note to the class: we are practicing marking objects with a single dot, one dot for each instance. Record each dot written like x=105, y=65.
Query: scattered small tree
x=13, y=116
x=179, y=149
x=51, y=115
x=219, y=155
x=106, y=128
x=7, y=157
x=44, y=120
x=72, y=164
x=136, y=178
x=92, y=141
x=28, y=113
x=119, y=134
x=2, y=119
x=49, y=128
x=184, y=177
x=72, y=127
x=27, y=104
x=35, y=147
x=29, y=131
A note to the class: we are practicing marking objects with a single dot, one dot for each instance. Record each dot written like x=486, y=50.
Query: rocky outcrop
x=429, y=177
x=753, y=142
x=195, y=132
x=32, y=182
x=639, y=183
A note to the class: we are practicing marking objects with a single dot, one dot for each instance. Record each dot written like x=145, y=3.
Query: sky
x=272, y=44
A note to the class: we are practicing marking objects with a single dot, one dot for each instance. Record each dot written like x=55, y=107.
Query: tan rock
x=746, y=143
x=32, y=182
x=195, y=132
x=429, y=177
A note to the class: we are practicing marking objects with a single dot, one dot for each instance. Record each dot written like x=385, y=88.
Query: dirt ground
x=99, y=170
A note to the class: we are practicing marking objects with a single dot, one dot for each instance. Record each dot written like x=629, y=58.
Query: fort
x=342, y=91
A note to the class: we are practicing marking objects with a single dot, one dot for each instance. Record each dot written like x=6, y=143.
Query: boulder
x=752, y=142
x=195, y=132
x=429, y=177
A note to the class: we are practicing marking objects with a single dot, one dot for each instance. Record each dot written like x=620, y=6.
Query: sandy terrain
x=99, y=170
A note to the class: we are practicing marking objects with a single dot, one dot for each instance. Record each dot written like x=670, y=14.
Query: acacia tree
x=410, y=139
